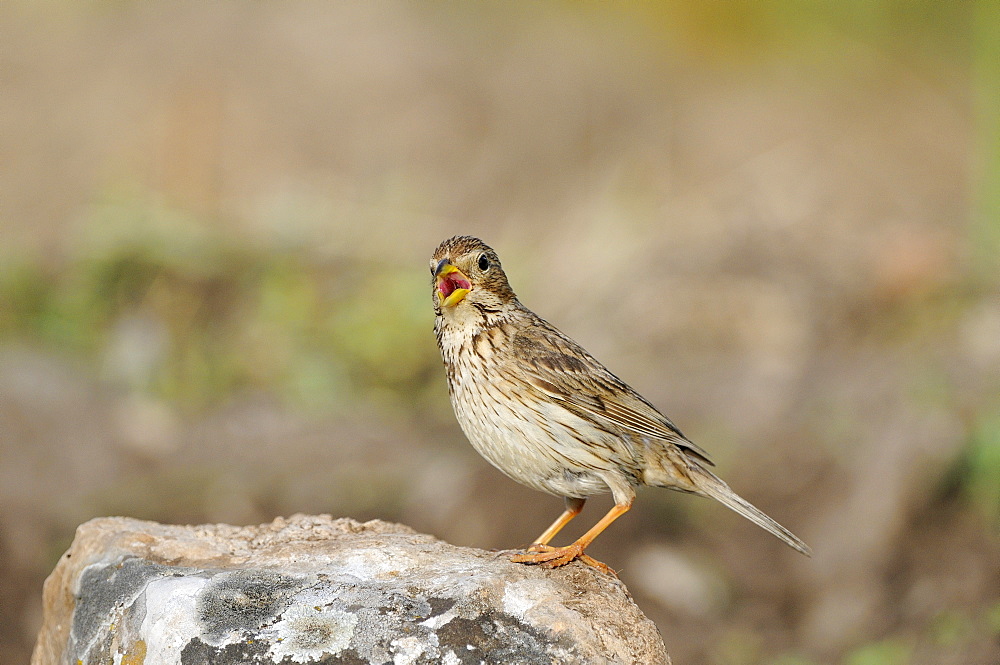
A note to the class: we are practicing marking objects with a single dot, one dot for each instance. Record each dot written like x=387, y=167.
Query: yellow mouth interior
x=455, y=297
x=452, y=286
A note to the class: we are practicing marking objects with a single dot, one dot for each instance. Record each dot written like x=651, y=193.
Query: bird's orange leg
x=553, y=557
x=573, y=508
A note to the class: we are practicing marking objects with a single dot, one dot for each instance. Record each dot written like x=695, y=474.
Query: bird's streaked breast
x=509, y=422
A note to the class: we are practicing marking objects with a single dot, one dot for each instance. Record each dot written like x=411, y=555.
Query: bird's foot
x=547, y=556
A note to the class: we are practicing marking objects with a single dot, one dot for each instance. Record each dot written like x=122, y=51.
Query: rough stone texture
x=311, y=589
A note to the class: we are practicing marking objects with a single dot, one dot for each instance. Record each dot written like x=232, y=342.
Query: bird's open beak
x=452, y=285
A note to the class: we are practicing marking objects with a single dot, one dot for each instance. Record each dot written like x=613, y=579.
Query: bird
x=547, y=414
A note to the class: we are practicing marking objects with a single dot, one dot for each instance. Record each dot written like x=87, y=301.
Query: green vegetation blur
x=173, y=306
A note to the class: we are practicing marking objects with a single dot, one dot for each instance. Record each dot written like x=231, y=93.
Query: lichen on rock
x=317, y=590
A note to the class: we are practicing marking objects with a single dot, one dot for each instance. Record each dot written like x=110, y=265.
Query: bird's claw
x=547, y=556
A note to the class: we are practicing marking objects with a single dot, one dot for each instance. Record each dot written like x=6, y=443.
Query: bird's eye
x=484, y=263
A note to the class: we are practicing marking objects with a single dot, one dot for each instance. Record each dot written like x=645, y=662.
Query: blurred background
x=778, y=221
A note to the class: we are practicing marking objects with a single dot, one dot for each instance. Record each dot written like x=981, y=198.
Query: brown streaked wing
x=564, y=371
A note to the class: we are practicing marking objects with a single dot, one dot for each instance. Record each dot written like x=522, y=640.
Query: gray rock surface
x=312, y=589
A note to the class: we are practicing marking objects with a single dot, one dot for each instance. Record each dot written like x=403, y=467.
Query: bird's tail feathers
x=712, y=486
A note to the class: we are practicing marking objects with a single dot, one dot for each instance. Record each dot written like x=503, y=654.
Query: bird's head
x=467, y=275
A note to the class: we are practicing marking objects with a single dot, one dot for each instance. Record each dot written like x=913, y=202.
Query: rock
x=311, y=589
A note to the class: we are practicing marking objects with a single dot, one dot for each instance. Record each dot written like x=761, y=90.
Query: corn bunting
x=545, y=412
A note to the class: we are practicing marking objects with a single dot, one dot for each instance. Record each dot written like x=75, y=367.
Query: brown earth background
x=778, y=221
